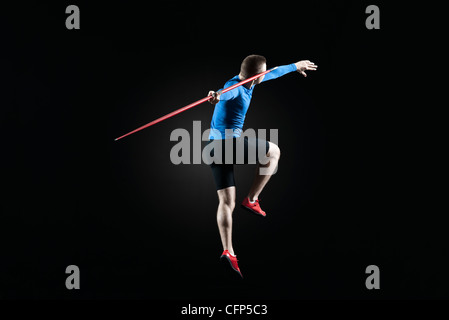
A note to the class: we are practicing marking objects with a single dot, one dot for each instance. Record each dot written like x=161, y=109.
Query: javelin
x=174, y=113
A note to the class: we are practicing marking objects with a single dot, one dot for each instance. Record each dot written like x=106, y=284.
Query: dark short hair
x=252, y=65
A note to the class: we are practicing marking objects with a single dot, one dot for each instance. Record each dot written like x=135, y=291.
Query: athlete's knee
x=228, y=203
x=274, y=152
x=226, y=198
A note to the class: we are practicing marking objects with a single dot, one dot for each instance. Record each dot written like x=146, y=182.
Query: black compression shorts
x=244, y=151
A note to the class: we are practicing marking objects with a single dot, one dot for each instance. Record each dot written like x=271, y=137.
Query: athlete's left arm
x=279, y=72
x=299, y=66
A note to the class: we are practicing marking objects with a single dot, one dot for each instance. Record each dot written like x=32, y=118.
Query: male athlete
x=226, y=126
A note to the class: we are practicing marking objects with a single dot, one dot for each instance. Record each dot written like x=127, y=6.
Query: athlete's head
x=253, y=65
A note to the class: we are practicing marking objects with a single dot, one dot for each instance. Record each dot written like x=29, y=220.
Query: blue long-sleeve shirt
x=230, y=112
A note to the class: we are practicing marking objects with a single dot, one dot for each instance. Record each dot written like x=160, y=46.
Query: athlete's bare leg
x=260, y=180
x=226, y=205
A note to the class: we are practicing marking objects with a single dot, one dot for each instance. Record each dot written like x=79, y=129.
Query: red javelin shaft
x=194, y=104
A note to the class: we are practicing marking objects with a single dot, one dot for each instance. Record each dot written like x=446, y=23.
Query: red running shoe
x=232, y=261
x=253, y=207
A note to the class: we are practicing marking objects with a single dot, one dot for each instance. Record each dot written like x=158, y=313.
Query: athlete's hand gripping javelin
x=216, y=97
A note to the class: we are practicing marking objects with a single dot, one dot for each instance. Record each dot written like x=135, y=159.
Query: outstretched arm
x=279, y=72
x=299, y=66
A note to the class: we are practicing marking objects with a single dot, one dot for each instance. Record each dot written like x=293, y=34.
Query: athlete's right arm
x=218, y=96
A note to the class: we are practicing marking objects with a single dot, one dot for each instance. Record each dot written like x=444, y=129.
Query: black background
x=138, y=226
